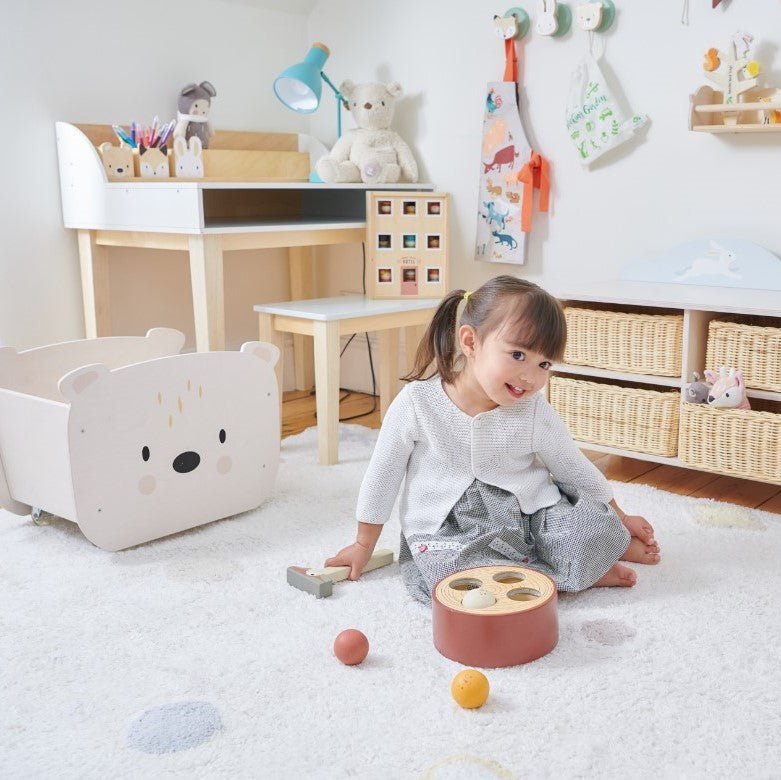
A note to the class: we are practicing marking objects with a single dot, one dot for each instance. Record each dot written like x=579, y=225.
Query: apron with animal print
x=507, y=173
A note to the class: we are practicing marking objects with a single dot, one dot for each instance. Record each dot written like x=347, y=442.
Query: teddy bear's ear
x=347, y=88
x=207, y=87
x=104, y=147
x=188, y=88
x=394, y=89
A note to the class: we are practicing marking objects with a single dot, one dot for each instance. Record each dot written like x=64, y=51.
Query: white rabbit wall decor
x=553, y=18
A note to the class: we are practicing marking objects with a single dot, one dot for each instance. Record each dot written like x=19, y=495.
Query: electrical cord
x=348, y=393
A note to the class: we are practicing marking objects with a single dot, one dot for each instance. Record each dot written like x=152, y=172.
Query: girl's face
x=504, y=371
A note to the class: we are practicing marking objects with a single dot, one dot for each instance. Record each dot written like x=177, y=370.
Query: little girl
x=491, y=474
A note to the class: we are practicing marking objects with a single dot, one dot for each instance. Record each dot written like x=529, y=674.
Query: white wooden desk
x=204, y=218
x=326, y=319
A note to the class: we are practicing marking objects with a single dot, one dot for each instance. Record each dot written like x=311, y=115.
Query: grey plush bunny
x=696, y=392
x=192, y=117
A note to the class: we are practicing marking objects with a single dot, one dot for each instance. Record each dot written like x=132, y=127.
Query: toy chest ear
x=75, y=382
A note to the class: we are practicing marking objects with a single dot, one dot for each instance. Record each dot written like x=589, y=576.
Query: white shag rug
x=192, y=657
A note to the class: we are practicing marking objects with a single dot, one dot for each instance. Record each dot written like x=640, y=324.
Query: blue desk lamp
x=299, y=86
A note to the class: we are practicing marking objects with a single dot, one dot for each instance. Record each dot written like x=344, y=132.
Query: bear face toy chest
x=137, y=442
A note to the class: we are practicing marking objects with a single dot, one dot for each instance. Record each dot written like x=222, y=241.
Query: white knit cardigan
x=441, y=450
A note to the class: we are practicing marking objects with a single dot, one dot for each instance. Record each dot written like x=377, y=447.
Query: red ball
x=351, y=646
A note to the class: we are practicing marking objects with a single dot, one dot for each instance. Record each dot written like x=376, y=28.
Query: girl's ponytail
x=438, y=345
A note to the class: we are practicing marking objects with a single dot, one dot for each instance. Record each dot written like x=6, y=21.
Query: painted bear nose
x=186, y=462
x=367, y=105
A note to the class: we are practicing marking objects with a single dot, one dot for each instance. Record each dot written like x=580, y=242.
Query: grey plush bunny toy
x=696, y=392
x=192, y=118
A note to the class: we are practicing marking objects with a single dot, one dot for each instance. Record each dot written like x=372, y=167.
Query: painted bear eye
x=383, y=102
x=145, y=453
x=222, y=435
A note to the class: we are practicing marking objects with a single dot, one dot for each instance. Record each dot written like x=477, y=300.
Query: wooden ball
x=351, y=646
x=470, y=689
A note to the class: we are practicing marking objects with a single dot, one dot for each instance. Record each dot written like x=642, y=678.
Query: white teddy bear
x=372, y=153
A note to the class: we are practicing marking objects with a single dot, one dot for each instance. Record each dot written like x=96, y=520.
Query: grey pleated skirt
x=574, y=542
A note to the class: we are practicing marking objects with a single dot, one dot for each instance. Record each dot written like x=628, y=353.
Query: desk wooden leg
x=208, y=292
x=327, y=390
x=413, y=335
x=302, y=286
x=389, y=367
x=268, y=333
x=94, y=285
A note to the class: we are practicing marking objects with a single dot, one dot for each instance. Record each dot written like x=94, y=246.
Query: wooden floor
x=298, y=413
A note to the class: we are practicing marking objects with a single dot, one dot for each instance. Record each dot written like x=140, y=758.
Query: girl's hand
x=356, y=556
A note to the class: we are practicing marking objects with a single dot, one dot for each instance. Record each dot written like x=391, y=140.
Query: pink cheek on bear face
x=147, y=484
x=224, y=464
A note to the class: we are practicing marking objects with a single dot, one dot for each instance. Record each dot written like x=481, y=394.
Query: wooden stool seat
x=326, y=320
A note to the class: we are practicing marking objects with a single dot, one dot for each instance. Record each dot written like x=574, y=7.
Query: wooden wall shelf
x=709, y=114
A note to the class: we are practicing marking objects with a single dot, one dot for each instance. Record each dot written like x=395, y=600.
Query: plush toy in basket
x=133, y=441
x=372, y=153
x=696, y=392
x=728, y=390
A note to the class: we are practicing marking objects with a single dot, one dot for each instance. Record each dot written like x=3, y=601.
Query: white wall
x=89, y=61
x=97, y=62
x=672, y=186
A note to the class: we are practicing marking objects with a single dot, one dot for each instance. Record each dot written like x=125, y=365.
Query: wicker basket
x=737, y=442
x=756, y=351
x=625, y=341
x=625, y=417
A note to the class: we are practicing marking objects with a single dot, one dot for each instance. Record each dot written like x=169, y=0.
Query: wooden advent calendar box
x=407, y=245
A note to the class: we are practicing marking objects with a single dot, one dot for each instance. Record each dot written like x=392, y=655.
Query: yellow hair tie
x=467, y=294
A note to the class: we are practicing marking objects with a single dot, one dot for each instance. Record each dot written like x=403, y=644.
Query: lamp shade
x=299, y=86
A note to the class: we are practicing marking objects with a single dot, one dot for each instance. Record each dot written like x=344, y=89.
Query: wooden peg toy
x=493, y=616
x=514, y=24
x=596, y=16
x=553, y=18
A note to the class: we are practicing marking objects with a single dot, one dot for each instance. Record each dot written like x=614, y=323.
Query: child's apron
x=509, y=172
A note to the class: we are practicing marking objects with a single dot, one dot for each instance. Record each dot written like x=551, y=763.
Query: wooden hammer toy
x=320, y=582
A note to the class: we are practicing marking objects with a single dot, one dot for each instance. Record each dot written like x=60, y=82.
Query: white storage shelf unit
x=699, y=305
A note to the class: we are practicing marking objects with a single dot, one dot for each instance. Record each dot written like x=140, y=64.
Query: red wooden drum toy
x=494, y=616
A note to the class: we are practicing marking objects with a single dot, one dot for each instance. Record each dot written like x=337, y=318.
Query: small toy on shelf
x=696, y=392
x=117, y=160
x=728, y=389
x=407, y=245
x=740, y=106
x=372, y=152
x=192, y=115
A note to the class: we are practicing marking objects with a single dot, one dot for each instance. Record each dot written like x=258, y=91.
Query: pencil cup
x=153, y=163
x=117, y=161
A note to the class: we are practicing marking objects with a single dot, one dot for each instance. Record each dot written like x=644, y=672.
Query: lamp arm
x=339, y=101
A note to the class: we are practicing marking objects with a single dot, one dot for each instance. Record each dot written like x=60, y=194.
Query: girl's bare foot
x=640, y=552
x=617, y=576
x=638, y=526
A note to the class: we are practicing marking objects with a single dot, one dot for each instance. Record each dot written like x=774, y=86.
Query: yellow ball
x=470, y=689
x=752, y=68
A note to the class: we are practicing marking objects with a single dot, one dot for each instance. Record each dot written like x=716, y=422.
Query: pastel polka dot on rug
x=466, y=768
x=727, y=516
x=170, y=728
x=608, y=632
